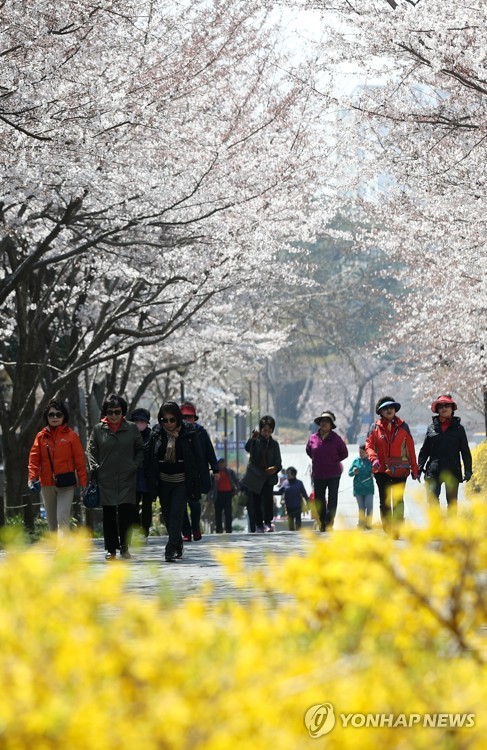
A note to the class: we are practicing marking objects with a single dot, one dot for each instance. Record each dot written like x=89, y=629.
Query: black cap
x=142, y=414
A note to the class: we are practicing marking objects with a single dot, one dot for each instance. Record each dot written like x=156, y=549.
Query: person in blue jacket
x=363, y=488
x=294, y=491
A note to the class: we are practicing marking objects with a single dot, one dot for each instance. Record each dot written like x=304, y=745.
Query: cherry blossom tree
x=159, y=157
x=417, y=141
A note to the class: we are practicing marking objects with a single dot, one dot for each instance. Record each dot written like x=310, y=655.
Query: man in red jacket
x=390, y=448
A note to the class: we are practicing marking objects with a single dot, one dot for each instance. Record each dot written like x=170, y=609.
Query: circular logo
x=319, y=719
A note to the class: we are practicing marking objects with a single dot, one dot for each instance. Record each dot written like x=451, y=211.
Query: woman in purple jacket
x=326, y=450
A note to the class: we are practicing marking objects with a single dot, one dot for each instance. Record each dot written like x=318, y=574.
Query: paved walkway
x=150, y=576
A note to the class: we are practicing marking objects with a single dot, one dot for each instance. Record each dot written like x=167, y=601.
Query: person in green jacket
x=115, y=452
x=363, y=488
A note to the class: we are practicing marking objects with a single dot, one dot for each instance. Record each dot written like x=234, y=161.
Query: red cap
x=446, y=399
x=189, y=410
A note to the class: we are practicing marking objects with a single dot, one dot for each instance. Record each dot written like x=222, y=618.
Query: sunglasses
x=115, y=412
x=444, y=406
x=189, y=416
x=171, y=420
x=55, y=415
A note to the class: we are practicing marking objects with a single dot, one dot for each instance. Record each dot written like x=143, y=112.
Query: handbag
x=254, y=479
x=398, y=467
x=91, y=497
x=67, y=479
x=242, y=499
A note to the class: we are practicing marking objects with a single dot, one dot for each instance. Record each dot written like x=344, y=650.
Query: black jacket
x=263, y=453
x=194, y=465
x=209, y=457
x=441, y=450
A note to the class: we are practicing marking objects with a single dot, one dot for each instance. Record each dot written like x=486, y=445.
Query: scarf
x=172, y=436
x=113, y=427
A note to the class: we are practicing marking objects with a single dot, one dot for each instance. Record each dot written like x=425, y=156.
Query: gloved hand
x=468, y=476
x=34, y=485
x=376, y=465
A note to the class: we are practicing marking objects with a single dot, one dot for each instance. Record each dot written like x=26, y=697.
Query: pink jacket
x=326, y=455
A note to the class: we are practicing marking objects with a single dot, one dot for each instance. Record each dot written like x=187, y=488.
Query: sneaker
x=259, y=530
x=125, y=554
x=196, y=536
x=269, y=527
x=171, y=556
x=179, y=552
x=186, y=538
x=111, y=554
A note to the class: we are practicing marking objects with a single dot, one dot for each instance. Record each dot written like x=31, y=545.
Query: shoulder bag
x=68, y=479
x=254, y=479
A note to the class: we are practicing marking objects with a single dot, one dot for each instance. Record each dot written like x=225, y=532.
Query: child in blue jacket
x=363, y=488
x=294, y=493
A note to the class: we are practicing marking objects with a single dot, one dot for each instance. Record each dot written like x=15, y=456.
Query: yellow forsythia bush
x=477, y=487
x=359, y=628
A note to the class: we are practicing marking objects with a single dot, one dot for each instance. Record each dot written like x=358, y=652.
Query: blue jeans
x=365, y=508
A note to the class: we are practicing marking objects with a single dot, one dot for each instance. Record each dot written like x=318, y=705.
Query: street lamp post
x=181, y=371
x=225, y=435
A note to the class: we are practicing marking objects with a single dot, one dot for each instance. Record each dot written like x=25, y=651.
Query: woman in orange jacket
x=390, y=448
x=57, y=459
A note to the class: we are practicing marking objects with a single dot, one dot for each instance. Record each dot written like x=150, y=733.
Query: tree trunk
x=286, y=396
x=15, y=458
x=353, y=429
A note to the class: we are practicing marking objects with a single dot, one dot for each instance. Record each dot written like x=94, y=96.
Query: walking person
x=227, y=485
x=363, y=488
x=191, y=528
x=115, y=452
x=265, y=457
x=57, y=462
x=294, y=493
x=141, y=418
x=327, y=450
x=390, y=448
x=439, y=458
x=174, y=467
